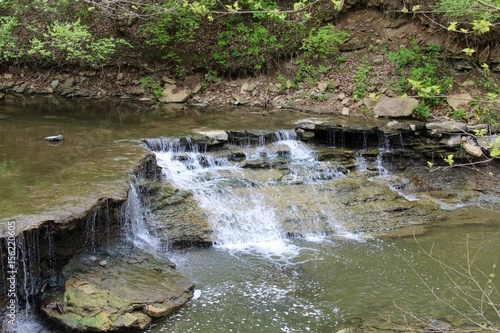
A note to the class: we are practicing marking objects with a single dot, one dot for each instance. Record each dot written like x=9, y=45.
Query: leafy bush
x=74, y=43
x=246, y=46
x=323, y=43
x=8, y=43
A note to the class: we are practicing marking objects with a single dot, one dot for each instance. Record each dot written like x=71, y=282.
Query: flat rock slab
x=126, y=293
x=395, y=107
x=459, y=101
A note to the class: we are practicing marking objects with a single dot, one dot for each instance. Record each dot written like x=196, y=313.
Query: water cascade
x=248, y=200
x=135, y=219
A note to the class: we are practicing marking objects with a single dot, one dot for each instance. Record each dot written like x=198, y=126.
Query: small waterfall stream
x=136, y=216
x=246, y=205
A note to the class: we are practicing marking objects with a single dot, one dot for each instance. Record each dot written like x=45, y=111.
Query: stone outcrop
x=178, y=217
x=128, y=292
x=459, y=101
x=397, y=107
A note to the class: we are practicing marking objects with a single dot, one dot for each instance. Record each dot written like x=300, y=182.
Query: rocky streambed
x=76, y=259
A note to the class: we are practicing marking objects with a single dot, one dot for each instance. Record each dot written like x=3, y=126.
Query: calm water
x=314, y=284
x=92, y=156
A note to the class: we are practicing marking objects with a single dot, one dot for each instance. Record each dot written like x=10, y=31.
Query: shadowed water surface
x=38, y=177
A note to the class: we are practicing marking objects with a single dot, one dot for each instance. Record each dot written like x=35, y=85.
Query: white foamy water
x=244, y=211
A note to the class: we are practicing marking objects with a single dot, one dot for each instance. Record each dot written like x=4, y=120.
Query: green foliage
x=418, y=70
x=74, y=43
x=149, y=82
x=210, y=77
x=245, y=46
x=495, y=148
x=361, y=80
x=323, y=43
x=477, y=10
x=422, y=110
x=458, y=114
x=8, y=43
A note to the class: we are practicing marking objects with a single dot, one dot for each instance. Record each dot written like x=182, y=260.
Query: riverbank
x=365, y=72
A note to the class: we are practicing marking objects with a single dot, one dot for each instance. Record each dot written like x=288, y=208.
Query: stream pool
x=324, y=285
x=314, y=283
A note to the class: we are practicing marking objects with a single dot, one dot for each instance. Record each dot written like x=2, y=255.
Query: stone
x=462, y=65
x=214, y=136
x=452, y=140
x=192, y=84
x=138, y=91
x=248, y=87
x=345, y=111
x=174, y=94
x=54, y=84
x=308, y=124
x=157, y=310
x=472, y=128
x=22, y=88
x=68, y=83
x=397, y=107
x=370, y=103
x=167, y=80
x=67, y=92
x=322, y=86
x=91, y=301
x=54, y=138
x=473, y=150
x=487, y=141
x=446, y=127
x=459, y=101
x=238, y=100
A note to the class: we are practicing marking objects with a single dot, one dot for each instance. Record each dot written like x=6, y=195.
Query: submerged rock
x=127, y=293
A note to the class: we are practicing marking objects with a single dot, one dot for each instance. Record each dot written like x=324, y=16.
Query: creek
x=289, y=255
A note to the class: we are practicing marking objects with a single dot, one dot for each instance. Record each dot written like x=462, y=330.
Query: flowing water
x=326, y=285
x=258, y=279
x=286, y=258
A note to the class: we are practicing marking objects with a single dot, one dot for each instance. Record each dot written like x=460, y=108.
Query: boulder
x=192, y=84
x=459, y=101
x=174, y=94
x=397, y=107
x=127, y=293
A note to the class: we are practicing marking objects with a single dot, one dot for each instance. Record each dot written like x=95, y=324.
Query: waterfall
x=215, y=183
x=242, y=206
x=135, y=218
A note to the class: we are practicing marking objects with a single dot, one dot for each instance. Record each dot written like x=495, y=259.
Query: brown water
x=303, y=285
x=38, y=177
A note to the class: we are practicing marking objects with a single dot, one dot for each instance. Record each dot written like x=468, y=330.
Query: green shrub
x=323, y=43
x=422, y=111
x=74, y=43
x=8, y=43
x=360, y=79
x=246, y=46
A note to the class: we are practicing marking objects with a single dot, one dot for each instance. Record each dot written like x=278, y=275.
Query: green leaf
x=452, y=26
x=468, y=51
